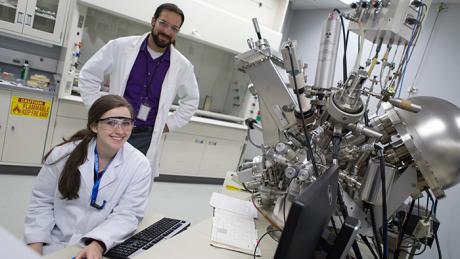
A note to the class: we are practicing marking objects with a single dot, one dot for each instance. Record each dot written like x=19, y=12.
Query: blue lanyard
x=97, y=181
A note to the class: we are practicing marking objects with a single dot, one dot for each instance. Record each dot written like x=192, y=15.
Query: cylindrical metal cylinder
x=371, y=191
x=285, y=150
x=327, y=57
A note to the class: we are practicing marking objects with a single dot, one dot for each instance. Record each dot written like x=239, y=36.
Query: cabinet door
x=181, y=154
x=4, y=108
x=12, y=13
x=219, y=157
x=65, y=127
x=26, y=129
x=45, y=19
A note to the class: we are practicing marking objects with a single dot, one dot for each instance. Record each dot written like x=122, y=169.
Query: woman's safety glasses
x=111, y=123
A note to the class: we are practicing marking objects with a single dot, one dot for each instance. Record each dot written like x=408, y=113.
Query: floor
x=188, y=201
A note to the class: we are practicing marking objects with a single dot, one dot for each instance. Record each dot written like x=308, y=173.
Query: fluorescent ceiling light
x=347, y=1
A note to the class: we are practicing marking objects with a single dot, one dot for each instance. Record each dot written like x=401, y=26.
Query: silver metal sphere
x=434, y=140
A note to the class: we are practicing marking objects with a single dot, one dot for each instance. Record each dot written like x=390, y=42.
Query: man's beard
x=158, y=42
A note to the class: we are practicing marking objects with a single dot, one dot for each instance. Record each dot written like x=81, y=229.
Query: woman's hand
x=92, y=251
x=37, y=247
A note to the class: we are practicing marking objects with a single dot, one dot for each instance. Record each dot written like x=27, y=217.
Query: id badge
x=144, y=111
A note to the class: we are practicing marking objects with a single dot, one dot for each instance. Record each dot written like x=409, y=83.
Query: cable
x=251, y=141
x=309, y=149
x=384, y=203
x=416, y=31
x=246, y=188
x=441, y=7
x=366, y=241
x=271, y=222
x=401, y=234
x=345, y=46
x=438, y=247
x=375, y=232
x=435, y=207
x=419, y=253
x=260, y=239
x=426, y=207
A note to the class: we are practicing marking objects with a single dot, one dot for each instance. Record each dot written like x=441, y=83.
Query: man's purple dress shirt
x=145, y=82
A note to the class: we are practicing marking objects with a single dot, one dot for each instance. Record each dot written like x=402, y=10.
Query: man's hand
x=92, y=251
x=37, y=247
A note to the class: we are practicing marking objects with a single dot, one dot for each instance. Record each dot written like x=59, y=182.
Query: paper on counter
x=222, y=201
x=234, y=231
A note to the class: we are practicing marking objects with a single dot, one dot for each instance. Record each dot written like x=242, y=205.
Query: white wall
x=269, y=13
x=438, y=77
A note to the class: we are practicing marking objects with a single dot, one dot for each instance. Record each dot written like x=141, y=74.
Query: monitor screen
x=308, y=217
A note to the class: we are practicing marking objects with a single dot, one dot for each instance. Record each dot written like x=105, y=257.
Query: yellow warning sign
x=30, y=107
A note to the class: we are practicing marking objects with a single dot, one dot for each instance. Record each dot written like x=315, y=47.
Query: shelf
x=46, y=16
x=8, y=5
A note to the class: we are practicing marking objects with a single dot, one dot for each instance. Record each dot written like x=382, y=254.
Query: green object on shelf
x=25, y=71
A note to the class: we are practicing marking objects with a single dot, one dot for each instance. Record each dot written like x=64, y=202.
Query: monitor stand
x=345, y=239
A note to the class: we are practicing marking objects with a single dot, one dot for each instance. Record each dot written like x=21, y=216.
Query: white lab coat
x=125, y=186
x=117, y=58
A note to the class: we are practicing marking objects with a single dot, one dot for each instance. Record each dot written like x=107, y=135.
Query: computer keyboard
x=158, y=231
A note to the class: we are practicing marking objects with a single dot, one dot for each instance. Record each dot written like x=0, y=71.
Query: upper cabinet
x=209, y=22
x=38, y=20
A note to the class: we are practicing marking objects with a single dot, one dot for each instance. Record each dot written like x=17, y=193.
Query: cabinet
x=5, y=97
x=24, y=126
x=202, y=150
x=42, y=20
x=208, y=25
x=71, y=116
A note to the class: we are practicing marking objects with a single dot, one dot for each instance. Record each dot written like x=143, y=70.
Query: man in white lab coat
x=149, y=72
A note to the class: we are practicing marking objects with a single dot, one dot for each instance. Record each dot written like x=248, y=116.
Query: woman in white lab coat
x=93, y=188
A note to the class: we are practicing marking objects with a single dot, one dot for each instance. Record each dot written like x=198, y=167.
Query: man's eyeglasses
x=164, y=24
x=111, y=123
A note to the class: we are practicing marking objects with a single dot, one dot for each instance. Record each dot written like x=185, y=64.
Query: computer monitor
x=308, y=217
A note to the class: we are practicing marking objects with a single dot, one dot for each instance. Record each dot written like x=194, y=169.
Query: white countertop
x=200, y=116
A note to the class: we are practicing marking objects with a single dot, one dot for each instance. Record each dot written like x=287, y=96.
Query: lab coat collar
x=87, y=168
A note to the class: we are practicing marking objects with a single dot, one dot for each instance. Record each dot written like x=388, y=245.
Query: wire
x=441, y=7
x=384, y=203
x=251, y=141
x=438, y=247
x=366, y=241
x=427, y=205
x=345, y=46
x=416, y=31
x=260, y=239
x=246, y=188
x=271, y=222
x=419, y=253
x=309, y=149
x=435, y=207
x=375, y=232
x=401, y=234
